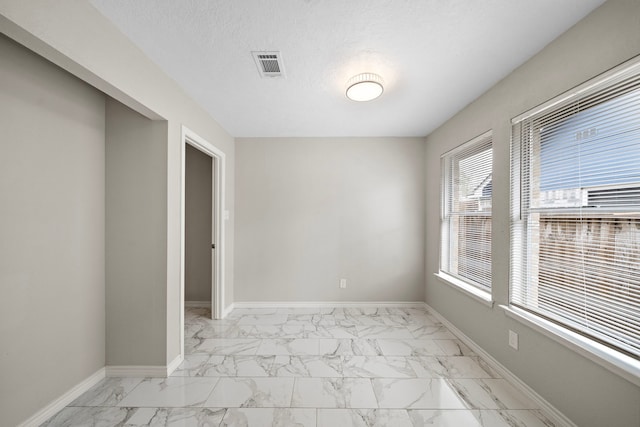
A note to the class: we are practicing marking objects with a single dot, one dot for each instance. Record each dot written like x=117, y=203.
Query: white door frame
x=218, y=167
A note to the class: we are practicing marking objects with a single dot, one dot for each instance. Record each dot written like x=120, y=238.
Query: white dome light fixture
x=364, y=87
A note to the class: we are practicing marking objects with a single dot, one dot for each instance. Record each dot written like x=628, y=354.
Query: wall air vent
x=269, y=63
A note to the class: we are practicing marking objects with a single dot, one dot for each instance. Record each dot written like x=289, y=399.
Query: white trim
x=324, y=304
x=476, y=145
x=198, y=304
x=228, y=310
x=66, y=398
x=219, y=159
x=136, y=371
x=144, y=371
x=173, y=365
x=556, y=416
x=627, y=67
x=469, y=290
x=616, y=362
x=469, y=143
x=193, y=139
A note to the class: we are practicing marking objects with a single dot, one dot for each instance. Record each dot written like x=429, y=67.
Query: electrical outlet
x=513, y=340
x=343, y=283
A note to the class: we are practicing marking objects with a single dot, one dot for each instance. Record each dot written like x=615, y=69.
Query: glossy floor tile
x=170, y=392
x=269, y=417
x=333, y=393
x=245, y=392
x=313, y=367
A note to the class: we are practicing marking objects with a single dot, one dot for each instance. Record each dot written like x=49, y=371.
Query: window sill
x=478, y=294
x=616, y=362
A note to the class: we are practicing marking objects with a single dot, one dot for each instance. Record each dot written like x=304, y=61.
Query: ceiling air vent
x=269, y=63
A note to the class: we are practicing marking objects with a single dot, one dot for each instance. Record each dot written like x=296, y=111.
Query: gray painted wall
x=587, y=393
x=52, y=316
x=311, y=211
x=93, y=49
x=198, y=187
x=136, y=257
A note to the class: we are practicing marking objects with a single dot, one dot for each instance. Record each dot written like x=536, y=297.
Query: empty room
x=320, y=213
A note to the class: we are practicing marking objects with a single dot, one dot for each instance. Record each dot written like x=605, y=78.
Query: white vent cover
x=269, y=63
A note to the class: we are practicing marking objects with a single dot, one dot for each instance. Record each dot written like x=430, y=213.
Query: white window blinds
x=576, y=211
x=466, y=219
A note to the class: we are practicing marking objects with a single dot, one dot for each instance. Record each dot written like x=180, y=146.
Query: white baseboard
x=324, y=304
x=197, y=304
x=144, y=371
x=556, y=416
x=136, y=371
x=227, y=310
x=69, y=396
x=173, y=365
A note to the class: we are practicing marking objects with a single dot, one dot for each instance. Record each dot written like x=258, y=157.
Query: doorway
x=214, y=239
x=198, y=228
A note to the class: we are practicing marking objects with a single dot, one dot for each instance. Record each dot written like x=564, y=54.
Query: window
x=576, y=211
x=466, y=220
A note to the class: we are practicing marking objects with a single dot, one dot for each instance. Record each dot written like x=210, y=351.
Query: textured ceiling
x=436, y=56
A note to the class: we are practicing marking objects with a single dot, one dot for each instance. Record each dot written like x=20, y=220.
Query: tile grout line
x=385, y=360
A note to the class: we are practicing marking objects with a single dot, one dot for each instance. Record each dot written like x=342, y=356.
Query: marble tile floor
x=313, y=367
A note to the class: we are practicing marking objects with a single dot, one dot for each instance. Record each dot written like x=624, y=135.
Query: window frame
x=468, y=286
x=607, y=356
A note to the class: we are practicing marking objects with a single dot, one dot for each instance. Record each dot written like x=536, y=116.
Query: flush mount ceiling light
x=364, y=87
